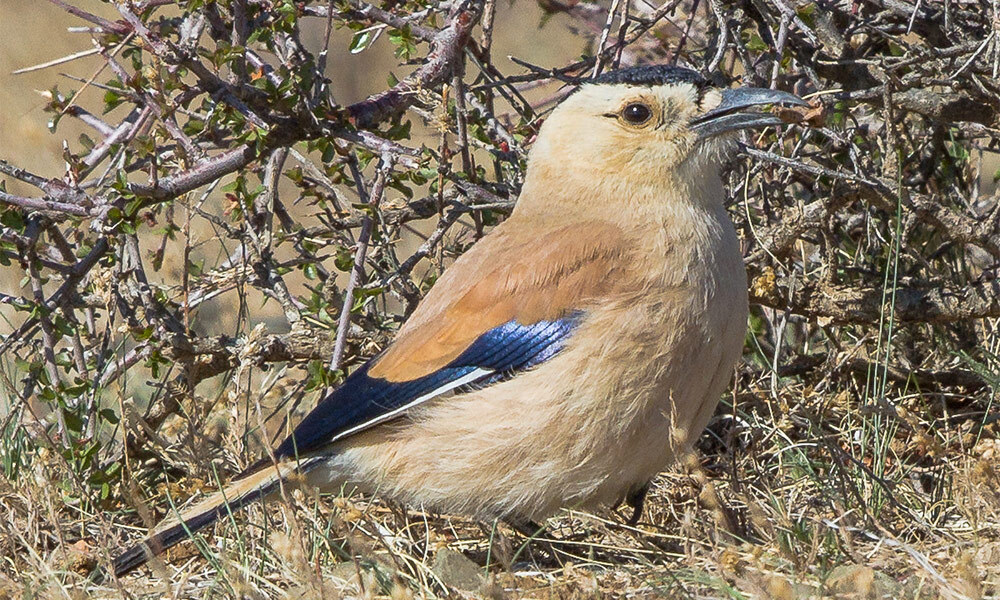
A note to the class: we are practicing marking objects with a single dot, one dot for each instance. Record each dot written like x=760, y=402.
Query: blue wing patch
x=362, y=401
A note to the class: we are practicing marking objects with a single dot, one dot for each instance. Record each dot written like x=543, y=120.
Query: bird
x=573, y=352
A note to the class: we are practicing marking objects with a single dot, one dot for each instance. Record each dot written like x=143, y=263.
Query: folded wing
x=364, y=401
x=505, y=306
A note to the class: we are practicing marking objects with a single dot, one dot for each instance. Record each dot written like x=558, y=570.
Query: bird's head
x=647, y=125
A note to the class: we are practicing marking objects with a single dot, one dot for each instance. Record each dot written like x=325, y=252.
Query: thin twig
x=371, y=200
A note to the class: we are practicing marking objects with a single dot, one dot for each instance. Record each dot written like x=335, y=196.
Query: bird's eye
x=636, y=113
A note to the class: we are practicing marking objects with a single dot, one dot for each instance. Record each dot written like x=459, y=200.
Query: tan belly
x=604, y=416
x=680, y=406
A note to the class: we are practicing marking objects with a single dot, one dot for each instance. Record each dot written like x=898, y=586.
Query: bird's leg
x=528, y=528
x=636, y=499
x=532, y=530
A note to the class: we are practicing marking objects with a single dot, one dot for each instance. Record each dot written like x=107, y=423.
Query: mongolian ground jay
x=574, y=351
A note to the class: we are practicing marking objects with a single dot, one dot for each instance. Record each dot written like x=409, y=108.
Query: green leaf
x=344, y=260
x=111, y=100
x=109, y=415
x=361, y=296
x=12, y=219
x=75, y=391
x=756, y=44
x=360, y=41
x=73, y=422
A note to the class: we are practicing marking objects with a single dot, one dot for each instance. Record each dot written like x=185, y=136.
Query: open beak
x=731, y=113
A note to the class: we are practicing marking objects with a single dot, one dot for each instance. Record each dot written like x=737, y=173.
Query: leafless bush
x=222, y=171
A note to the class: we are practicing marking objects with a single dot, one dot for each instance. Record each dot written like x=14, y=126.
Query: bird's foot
x=528, y=528
x=636, y=499
x=557, y=550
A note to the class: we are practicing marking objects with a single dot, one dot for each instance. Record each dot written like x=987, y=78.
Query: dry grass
x=772, y=507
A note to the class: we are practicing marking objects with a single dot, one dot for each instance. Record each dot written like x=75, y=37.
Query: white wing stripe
x=465, y=379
